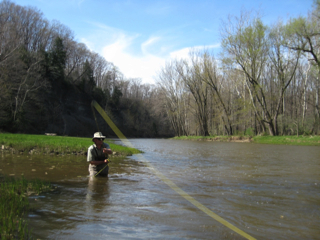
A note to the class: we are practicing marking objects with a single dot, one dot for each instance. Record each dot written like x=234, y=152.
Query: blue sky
x=139, y=36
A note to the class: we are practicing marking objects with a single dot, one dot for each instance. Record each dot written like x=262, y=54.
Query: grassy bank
x=289, y=140
x=14, y=193
x=283, y=140
x=43, y=144
x=14, y=205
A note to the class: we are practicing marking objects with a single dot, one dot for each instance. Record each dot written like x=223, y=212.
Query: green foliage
x=36, y=98
x=14, y=205
x=87, y=80
x=249, y=132
x=279, y=140
x=115, y=97
x=99, y=95
x=288, y=140
x=265, y=133
x=296, y=25
x=193, y=137
x=47, y=79
x=58, y=57
x=55, y=61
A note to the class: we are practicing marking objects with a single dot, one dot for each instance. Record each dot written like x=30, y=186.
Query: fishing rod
x=95, y=118
x=106, y=155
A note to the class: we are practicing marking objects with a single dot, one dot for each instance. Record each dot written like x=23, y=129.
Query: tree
x=115, y=98
x=199, y=89
x=304, y=36
x=87, y=80
x=284, y=63
x=245, y=42
x=56, y=62
x=205, y=68
x=175, y=98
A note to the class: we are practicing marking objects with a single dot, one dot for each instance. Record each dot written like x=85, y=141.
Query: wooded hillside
x=264, y=81
x=48, y=80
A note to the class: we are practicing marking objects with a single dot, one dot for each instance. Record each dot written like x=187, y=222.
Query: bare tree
x=206, y=69
x=284, y=62
x=304, y=36
x=245, y=42
x=199, y=90
x=175, y=98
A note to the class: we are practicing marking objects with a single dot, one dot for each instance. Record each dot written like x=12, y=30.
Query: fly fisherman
x=98, y=156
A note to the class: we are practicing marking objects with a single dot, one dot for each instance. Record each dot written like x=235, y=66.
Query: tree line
x=264, y=81
x=47, y=81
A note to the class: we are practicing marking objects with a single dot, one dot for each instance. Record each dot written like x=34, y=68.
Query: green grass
x=201, y=137
x=192, y=137
x=13, y=192
x=279, y=140
x=14, y=205
x=212, y=138
x=55, y=144
x=289, y=140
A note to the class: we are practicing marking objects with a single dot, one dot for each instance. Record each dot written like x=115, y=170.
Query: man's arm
x=107, y=149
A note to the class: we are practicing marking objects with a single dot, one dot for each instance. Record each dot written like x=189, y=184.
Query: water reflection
x=97, y=192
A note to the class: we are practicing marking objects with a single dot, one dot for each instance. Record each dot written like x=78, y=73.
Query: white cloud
x=134, y=62
x=180, y=54
x=148, y=43
x=144, y=66
x=184, y=52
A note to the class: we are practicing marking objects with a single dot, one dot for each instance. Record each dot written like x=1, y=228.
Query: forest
x=265, y=81
x=48, y=81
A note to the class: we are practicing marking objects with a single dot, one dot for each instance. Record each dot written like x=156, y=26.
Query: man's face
x=98, y=141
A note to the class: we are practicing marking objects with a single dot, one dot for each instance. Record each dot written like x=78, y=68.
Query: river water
x=265, y=191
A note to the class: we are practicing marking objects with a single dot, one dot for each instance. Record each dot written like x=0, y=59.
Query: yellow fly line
x=171, y=184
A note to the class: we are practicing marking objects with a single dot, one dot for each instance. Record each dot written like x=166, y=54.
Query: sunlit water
x=268, y=191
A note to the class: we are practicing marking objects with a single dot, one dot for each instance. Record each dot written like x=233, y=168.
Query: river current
x=266, y=191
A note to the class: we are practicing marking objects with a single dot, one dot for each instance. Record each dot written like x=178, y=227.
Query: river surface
x=266, y=191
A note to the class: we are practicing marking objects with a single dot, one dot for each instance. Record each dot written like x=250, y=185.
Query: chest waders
x=101, y=158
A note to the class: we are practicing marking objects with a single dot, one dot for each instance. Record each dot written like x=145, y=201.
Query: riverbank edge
x=277, y=140
x=48, y=151
x=55, y=145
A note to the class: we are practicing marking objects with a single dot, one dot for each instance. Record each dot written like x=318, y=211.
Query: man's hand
x=107, y=151
x=106, y=161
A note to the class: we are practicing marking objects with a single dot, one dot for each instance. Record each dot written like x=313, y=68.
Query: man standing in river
x=98, y=156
